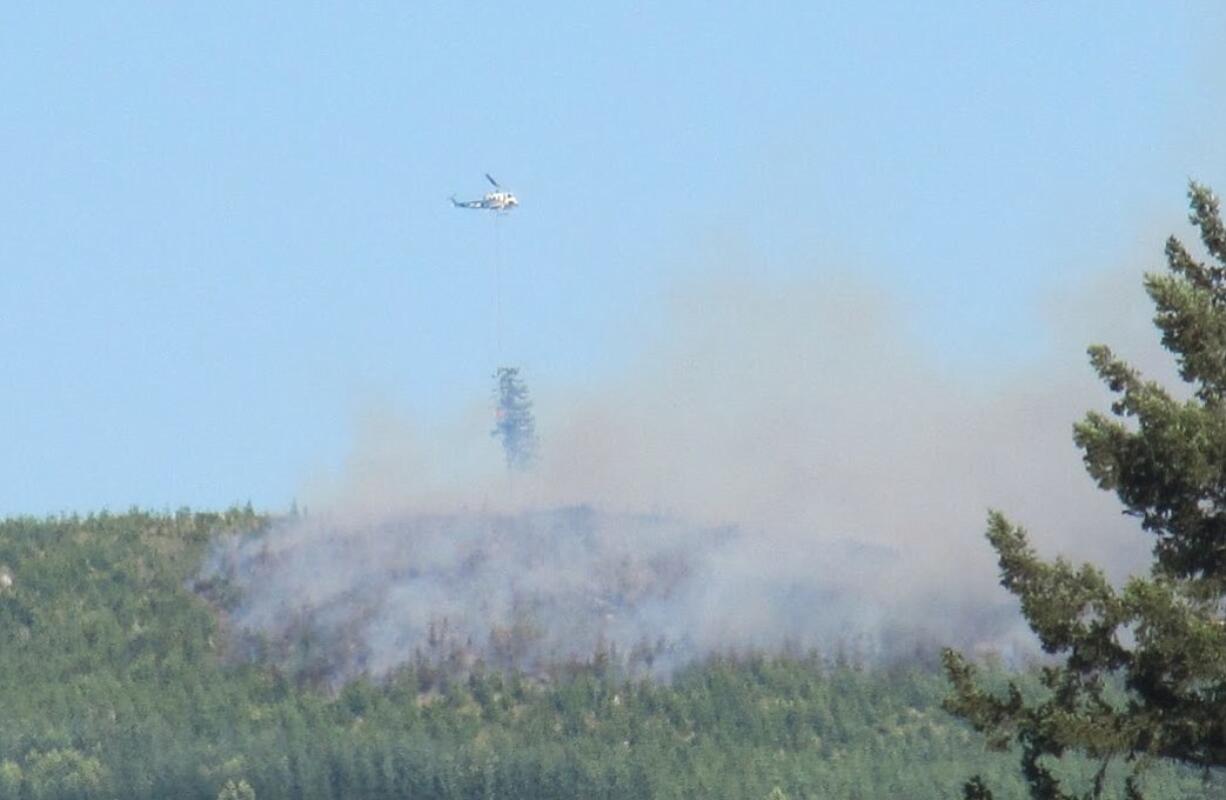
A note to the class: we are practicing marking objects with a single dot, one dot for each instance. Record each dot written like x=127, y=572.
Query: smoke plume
x=784, y=467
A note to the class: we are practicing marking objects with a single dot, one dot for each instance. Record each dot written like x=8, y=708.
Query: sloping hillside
x=115, y=683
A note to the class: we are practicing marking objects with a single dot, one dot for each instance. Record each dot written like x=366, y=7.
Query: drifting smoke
x=785, y=469
x=534, y=590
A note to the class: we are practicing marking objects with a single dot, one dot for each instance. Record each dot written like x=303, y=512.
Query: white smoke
x=785, y=467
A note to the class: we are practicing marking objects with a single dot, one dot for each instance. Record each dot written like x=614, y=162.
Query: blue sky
x=225, y=229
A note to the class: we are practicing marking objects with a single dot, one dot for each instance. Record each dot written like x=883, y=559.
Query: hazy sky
x=224, y=233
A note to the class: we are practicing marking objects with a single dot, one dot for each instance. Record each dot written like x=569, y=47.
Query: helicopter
x=500, y=200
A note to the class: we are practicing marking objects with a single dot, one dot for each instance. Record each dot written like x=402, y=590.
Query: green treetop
x=1143, y=675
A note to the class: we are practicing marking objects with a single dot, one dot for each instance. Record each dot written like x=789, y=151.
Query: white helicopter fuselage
x=500, y=201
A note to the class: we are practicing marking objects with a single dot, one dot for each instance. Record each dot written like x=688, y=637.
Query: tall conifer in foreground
x=1161, y=637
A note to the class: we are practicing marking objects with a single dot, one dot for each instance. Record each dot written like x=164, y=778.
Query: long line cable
x=497, y=287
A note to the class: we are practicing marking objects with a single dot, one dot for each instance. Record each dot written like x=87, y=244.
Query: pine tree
x=236, y=790
x=514, y=423
x=1143, y=676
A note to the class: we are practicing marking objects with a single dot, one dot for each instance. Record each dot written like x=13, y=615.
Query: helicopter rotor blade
x=490, y=178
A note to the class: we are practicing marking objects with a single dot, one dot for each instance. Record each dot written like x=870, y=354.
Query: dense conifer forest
x=115, y=682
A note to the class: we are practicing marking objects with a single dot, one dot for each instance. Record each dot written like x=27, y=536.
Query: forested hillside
x=115, y=683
